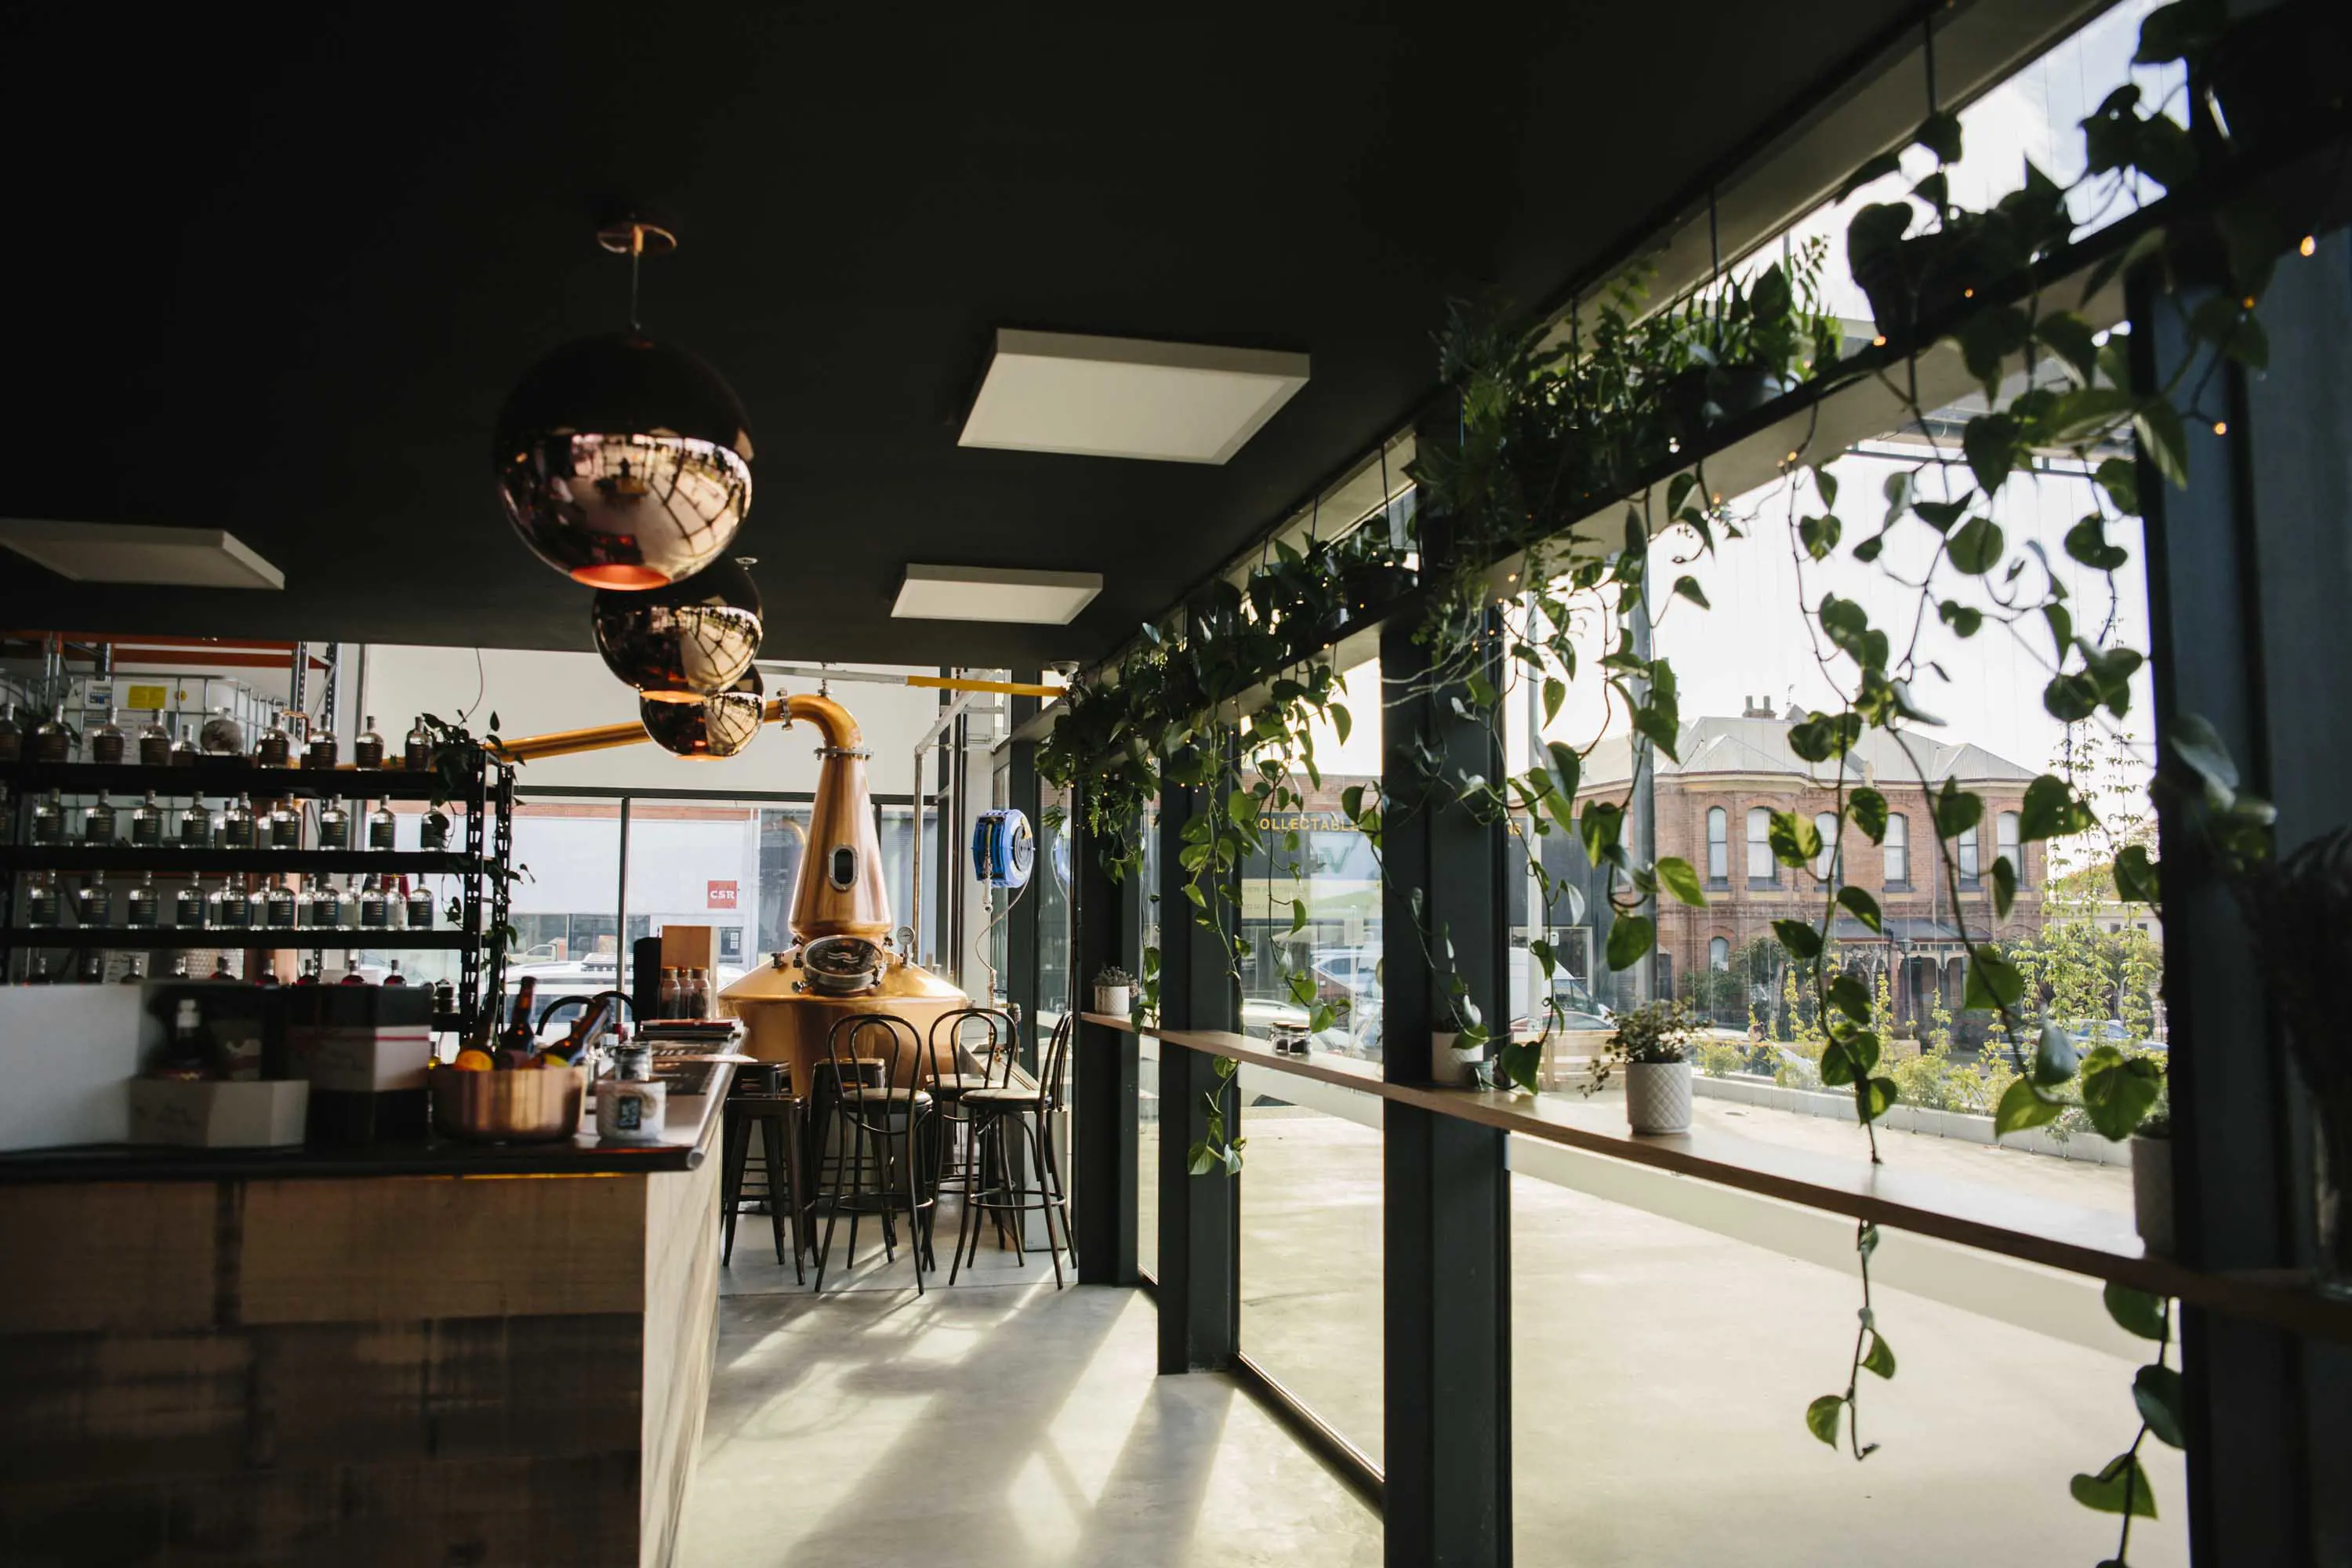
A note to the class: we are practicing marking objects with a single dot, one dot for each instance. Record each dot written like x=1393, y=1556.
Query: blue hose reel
x=1003, y=850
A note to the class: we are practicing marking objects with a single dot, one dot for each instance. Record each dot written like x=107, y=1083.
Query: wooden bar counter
x=426, y=1354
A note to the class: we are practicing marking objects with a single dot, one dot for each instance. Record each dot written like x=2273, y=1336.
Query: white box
x=210, y=1114
x=65, y=1051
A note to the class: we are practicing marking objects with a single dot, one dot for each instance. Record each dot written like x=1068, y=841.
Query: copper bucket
x=521, y=1105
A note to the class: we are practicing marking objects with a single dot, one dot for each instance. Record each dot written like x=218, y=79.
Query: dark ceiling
x=279, y=281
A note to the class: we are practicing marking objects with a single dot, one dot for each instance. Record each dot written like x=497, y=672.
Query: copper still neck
x=840, y=891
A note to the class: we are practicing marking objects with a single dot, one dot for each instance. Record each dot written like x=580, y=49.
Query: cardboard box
x=65, y=1051
x=685, y=947
x=364, y=1050
x=211, y=1114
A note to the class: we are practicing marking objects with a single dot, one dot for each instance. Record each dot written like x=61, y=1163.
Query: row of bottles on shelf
x=89, y=968
x=55, y=740
x=239, y=825
x=378, y=903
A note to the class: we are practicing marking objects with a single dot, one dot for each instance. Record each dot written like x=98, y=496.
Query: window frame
x=1718, y=847
x=1895, y=866
x=1760, y=840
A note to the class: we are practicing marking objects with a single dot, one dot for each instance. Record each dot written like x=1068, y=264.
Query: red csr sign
x=721, y=895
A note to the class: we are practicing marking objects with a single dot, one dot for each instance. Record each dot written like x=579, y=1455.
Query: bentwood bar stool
x=996, y=1176
x=989, y=1034
x=881, y=1123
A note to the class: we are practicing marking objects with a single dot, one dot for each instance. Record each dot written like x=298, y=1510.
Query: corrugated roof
x=1761, y=746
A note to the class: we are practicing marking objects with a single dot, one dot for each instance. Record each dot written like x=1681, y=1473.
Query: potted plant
x=2151, y=1168
x=1114, y=990
x=1746, y=345
x=1457, y=1050
x=1653, y=1045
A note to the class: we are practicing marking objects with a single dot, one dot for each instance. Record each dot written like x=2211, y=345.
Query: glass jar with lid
x=185, y=751
x=106, y=742
x=367, y=751
x=48, y=820
x=188, y=905
x=155, y=742
x=196, y=825
x=12, y=734
x=322, y=751
x=222, y=735
x=226, y=906
x=276, y=747
x=285, y=826
x=373, y=914
x=334, y=826
x=41, y=900
x=54, y=739
x=237, y=823
x=147, y=824
x=384, y=829
x=146, y=905
x=280, y=904
x=98, y=821
x=94, y=900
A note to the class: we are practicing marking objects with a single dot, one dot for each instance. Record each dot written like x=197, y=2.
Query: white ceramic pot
x=1451, y=1068
x=2151, y=1160
x=1113, y=999
x=1658, y=1096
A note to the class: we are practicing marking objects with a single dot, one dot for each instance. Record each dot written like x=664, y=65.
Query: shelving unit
x=482, y=805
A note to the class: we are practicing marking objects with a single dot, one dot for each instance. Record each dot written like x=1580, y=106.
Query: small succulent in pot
x=1652, y=1046
x=1113, y=989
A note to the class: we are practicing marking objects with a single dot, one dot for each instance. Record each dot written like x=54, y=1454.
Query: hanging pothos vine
x=1556, y=431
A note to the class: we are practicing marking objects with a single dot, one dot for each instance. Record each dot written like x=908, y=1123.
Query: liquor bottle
x=352, y=975
x=188, y=906
x=323, y=750
x=226, y=908
x=12, y=734
x=129, y=975
x=285, y=826
x=49, y=820
x=329, y=908
x=179, y=967
x=309, y=975
x=276, y=747
x=146, y=907
x=39, y=974
x=98, y=822
x=419, y=904
x=106, y=745
x=395, y=977
x=257, y=907
x=196, y=827
x=585, y=1030
x=221, y=971
x=334, y=826
x=41, y=902
x=416, y=752
x=433, y=831
x=185, y=751
x=367, y=751
x=155, y=744
x=382, y=827
x=53, y=739
x=147, y=824
x=90, y=967
x=188, y=1054
x=281, y=904
x=519, y=1035
x=373, y=912
x=94, y=902
x=237, y=823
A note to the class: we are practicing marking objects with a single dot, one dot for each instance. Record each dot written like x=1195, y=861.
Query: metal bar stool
x=763, y=1095
x=886, y=1126
x=1025, y=1111
x=990, y=1034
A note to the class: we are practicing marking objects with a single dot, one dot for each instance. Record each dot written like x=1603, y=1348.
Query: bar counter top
x=687, y=1141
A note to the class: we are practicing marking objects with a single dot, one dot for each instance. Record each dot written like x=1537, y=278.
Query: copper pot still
x=843, y=961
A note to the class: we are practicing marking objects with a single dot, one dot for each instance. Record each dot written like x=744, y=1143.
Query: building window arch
x=1967, y=855
x=1825, y=822
x=2007, y=846
x=1718, y=844
x=1761, y=872
x=1897, y=846
x=1719, y=953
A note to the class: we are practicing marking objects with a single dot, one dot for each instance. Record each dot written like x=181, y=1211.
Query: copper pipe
x=832, y=720
x=1001, y=688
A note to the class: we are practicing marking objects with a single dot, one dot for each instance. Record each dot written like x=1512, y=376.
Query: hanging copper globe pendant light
x=710, y=729
x=685, y=641
x=624, y=462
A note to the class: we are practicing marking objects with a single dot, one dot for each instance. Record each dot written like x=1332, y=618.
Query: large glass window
x=1718, y=844
x=1898, y=850
x=2006, y=846
x=1826, y=825
x=1965, y=849
x=1760, y=866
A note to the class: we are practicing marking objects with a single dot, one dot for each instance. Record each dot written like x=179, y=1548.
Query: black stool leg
x=737, y=1133
x=792, y=1136
x=771, y=1143
x=1033, y=1126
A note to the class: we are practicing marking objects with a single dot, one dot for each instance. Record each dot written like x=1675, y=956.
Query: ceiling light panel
x=1125, y=397
x=1005, y=596
x=135, y=552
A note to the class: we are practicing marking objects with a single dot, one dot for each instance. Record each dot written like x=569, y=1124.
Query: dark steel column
x=1447, y=1233
x=1102, y=1075
x=1200, y=1217
x=1022, y=982
x=2248, y=578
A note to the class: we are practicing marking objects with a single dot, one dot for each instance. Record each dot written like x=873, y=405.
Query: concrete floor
x=1000, y=1421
